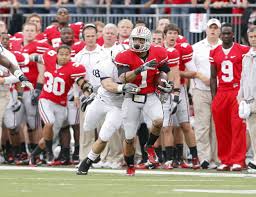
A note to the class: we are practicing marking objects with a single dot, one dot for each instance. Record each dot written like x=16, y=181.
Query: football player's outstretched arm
x=114, y=87
x=213, y=80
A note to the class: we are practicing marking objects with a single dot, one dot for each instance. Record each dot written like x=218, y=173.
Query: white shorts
x=73, y=113
x=182, y=113
x=131, y=113
x=13, y=119
x=52, y=113
x=98, y=111
x=32, y=115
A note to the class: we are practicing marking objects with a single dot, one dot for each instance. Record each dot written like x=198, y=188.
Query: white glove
x=27, y=84
x=23, y=79
x=244, y=110
x=128, y=88
x=167, y=88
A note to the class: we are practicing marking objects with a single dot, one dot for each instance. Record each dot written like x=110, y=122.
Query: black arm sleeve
x=122, y=69
x=165, y=68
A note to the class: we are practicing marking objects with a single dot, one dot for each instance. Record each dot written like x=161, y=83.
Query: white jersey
x=8, y=55
x=90, y=60
x=108, y=69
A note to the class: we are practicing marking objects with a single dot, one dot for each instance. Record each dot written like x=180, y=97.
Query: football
x=159, y=77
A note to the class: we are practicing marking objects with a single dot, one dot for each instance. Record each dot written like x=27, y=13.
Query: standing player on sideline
x=139, y=65
x=226, y=67
x=59, y=76
x=180, y=104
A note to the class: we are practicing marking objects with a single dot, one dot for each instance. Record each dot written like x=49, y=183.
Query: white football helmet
x=140, y=32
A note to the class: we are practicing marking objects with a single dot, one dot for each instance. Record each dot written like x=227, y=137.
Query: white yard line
x=139, y=172
x=218, y=191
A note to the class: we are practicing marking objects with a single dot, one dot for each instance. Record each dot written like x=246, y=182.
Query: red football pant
x=230, y=129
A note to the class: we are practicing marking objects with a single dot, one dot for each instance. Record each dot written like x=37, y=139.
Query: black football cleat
x=84, y=167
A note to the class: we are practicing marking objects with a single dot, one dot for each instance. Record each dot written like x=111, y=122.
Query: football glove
x=23, y=79
x=244, y=110
x=168, y=86
x=146, y=66
x=86, y=100
x=175, y=100
x=130, y=88
x=35, y=95
x=16, y=106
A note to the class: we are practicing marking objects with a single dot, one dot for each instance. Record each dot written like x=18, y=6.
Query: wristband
x=39, y=86
x=120, y=88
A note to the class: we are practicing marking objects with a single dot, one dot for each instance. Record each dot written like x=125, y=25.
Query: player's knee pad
x=158, y=123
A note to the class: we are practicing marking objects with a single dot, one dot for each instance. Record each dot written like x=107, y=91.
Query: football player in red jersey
x=52, y=33
x=139, y=65
x=226, y=67
x=180, y=105
x=36, y=19
x=67, y=38
x=59, y=76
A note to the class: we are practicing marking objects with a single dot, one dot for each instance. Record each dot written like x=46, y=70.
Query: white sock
x=92, y=156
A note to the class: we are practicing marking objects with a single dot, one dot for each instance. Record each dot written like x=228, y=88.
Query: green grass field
x=31, y=183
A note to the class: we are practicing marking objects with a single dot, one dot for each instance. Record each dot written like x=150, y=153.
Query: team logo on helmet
x=143, y=33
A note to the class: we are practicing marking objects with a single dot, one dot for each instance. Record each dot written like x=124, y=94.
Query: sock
x=16, y=150
x=23, y=147
x=143, y=136
x=169, y=153
x=164, y=155
x=152, y=139
x=159, y=154
x=66, y=153
x=193, y=151
x=93, y=156
x=129, y=160
x=37, y=151
x=179, y=151
x=48, y=144
x=76, y=151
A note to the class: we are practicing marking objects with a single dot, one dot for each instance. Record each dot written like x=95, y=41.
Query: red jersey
x=228, y=66
x=186, y=52
x=144, y=80
x=58, y=81
x=181, y=39
x=173, y=57
x=30, y=70
x=100, y=41
x=39, y=36
x=52, y=33
x=76, y=47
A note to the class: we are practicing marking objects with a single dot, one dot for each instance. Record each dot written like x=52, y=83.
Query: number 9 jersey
x=59, y=79
x=228, y=63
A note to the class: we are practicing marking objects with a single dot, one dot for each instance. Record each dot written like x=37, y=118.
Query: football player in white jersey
x=106, y=105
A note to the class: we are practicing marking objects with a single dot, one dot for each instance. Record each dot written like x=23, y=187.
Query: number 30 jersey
x=59, y=79
x=228, y=65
